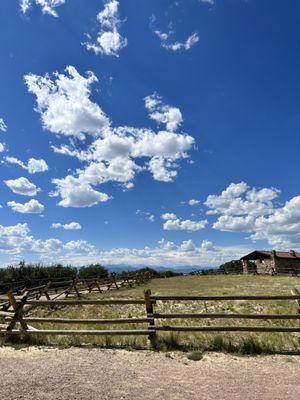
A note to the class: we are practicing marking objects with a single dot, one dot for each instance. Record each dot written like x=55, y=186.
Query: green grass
x=242, y=343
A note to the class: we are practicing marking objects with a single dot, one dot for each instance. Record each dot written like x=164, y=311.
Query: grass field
x=190, y=285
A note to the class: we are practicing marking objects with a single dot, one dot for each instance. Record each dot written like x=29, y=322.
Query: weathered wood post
x=114, y=279
x=149, y=310
x=18, y=315
x=75, y=287
x=296, y=292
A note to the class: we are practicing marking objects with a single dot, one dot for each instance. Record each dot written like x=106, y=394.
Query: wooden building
x=271, y=262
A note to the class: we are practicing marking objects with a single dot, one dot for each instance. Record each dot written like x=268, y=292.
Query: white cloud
x=239, y=199
x=64, y=103
x=77, y=194
x=235, y=224
x=211, y=2
x=117, y=154
x=176, y=46
x=173, y=223
x=169, y=216
x=47, y=6
x=2, y=147
x=253, y=210
x=193, y=202
x=3, y=127
x=145, y=215
x=163, y=114
x=16, y=239
x=31, y=207
x=71, y=226
x=33, y=166
x=169, y=254
x=109, y=41
x=22, y=186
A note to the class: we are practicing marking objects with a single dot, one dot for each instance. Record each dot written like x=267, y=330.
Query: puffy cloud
x=16, y=239
x=163, y=114
x=252, y=210
x=47, y=6
x=238, y=199
x=169, y=254
x=193, y=202
x=235, y=224
x=64, y=103
x=117, y=154
x=173, y=223
x=187, y=245
x=77, y=194
x=33, y=165
x=176, y=46
x=22, y=186
x=3, y=127
x=71, y=226
x=211, y=2
x=146, y=215
x=2, y=147
x=109, y=41
x=31, y=207
x=169, y=216
x=282, y=228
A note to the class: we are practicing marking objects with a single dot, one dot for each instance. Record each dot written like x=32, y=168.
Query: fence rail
x=152, y=319
x=54, y=289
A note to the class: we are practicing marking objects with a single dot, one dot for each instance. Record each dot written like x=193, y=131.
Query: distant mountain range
x=119, y=268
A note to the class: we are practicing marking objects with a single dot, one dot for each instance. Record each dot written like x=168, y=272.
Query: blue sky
x=148, y=132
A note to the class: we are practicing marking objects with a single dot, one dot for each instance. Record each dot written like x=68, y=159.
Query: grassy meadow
x=244, y=343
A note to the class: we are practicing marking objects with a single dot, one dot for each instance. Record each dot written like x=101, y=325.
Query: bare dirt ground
x=79, y=373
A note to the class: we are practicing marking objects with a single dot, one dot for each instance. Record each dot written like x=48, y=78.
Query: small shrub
x=195, y=356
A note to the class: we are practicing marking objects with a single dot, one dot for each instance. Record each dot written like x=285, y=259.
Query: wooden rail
x=54, y=289
x=152, y=320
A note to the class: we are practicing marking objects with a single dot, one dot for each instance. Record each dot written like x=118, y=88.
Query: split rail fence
x=154, y=320
x=53, y=289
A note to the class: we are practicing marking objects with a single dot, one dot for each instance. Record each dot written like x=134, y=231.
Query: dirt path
x=92, y=374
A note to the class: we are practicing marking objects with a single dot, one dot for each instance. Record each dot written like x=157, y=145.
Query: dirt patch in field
x=78, y=373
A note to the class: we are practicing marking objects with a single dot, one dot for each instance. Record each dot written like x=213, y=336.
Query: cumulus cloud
x=112, y=154
x=173, y=223
x=169, y=216
x=170, y=254
x=211, y=2
x=2, y=147
x=33, y=165
x=193, y=202
x=47, y=6
x=239, y=199
x=163, y=114
x=3, y=127
x=31, y=207
x=243, y=209
x=22, y=186
x=16, y=239
x=145, y=215
x=167, y=44
x=235, y=224
x=77, y=194
x=109, y=42
x=64, y=103
x=71, y=226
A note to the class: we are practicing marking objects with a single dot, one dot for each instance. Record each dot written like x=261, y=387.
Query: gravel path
x=92, y=374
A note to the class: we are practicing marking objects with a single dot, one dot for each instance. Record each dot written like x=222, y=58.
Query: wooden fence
x=152, y=319
x=53, y=289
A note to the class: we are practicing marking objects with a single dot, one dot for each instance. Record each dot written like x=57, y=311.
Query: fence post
x=75, y=288
x=18, y=315
x=296, y=292
x=149, y=310
x=115, y=281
